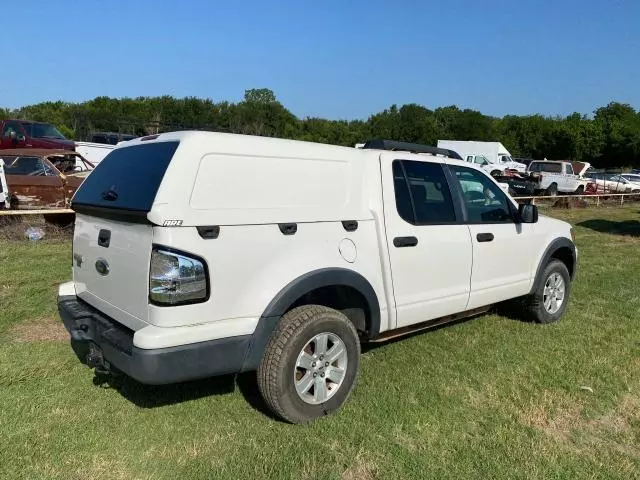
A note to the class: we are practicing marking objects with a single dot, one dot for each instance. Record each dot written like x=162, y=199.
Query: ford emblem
x=102, y=267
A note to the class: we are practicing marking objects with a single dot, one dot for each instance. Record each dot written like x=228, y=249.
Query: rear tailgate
x=111, y=267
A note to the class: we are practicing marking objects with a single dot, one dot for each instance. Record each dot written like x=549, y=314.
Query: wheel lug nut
x=321, y=357
x=313, y=364
x=322, y=375
x=326, y=364
x=315, y=375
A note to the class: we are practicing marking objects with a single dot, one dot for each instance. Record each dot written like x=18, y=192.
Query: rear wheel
x=552, y=190
x=310, y=364
x=580, y=190
x=496, y=173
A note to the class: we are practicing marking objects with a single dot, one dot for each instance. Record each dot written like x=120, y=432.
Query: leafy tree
x=610, y=138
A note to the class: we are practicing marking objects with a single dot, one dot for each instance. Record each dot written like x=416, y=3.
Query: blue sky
x=334, y=59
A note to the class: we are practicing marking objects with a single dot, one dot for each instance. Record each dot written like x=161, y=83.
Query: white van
x=198, y=254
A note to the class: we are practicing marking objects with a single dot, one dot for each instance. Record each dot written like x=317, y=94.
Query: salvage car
x=43, y=178
x=612, y=183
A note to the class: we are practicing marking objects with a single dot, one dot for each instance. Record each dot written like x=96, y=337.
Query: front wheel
x=549, y=301
x=310, y=364
x=552, y=191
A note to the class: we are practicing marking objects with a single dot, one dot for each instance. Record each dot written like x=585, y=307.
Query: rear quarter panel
x=249, y=265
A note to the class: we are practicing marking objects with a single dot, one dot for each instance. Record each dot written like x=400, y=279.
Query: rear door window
x=422, y=193
x=127, y=178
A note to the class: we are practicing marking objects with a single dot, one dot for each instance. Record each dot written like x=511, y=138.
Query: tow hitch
x=95, y=359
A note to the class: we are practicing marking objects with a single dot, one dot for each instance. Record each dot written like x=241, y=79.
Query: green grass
x=487, y=398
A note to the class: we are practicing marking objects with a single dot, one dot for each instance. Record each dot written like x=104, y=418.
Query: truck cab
x=27, y=134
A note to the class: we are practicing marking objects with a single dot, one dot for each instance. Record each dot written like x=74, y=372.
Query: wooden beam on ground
x=57, y=211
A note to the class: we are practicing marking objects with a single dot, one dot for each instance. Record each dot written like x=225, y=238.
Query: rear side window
x=128, y=178
x=422, y=193
x=546, y=167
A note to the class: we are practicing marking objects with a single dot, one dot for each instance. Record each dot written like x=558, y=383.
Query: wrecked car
x=43, y=179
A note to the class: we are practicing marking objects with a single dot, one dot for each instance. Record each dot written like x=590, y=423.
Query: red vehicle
x=28, y=134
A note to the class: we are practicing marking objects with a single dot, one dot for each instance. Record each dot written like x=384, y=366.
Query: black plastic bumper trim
x=160, y=366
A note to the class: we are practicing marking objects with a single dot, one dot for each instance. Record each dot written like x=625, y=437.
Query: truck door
x=502, y=260
x=33, y=184
x=570, y=179
x=429, y=249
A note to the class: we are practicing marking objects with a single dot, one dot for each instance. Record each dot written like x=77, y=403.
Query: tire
x=496, y=173
x=535, y=305
x=278, y=372
x=580, y=190
x=552, y=190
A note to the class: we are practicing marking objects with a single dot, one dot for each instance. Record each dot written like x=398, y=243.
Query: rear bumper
x=89, y=328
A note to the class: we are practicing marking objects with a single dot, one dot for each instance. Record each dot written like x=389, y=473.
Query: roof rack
x=409, y=147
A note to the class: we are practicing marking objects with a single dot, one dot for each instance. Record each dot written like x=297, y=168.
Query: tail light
x=177, y=278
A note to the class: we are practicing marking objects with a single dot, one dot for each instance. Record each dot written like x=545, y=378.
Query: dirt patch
x=567, y=425
x=360, y=470
x=557, y=426
x=39, y=330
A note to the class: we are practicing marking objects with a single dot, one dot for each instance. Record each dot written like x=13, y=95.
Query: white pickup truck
x=553, y=177
x=198, y=254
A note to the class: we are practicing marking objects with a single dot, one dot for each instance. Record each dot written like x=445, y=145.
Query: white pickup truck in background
x=553, y=177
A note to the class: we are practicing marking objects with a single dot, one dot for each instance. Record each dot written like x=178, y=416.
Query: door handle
x=405, y=242
x=485, y=237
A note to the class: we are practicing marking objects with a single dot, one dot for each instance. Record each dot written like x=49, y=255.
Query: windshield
x=633, y=178
x=506, y=159
x=545, y=167
x=42, y=130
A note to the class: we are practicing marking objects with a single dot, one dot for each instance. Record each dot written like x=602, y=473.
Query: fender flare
x=302, y=285
x=553, y=247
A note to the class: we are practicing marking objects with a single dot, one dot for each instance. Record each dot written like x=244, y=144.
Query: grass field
x=488, y=398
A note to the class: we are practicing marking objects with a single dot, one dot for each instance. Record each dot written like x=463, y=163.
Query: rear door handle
x=405, y=242
x=485, y=237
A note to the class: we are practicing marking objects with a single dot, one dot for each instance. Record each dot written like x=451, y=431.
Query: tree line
x=608, y=138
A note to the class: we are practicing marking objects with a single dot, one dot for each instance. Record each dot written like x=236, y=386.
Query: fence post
x=621, y=199
x=597, y=200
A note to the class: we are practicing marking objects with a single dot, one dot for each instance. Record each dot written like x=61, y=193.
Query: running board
x=436, y=322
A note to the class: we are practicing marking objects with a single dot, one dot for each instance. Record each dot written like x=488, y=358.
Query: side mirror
x=21, y=138
x=528, y=213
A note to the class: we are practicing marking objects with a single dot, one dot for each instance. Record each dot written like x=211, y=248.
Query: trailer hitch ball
x=95, y=359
